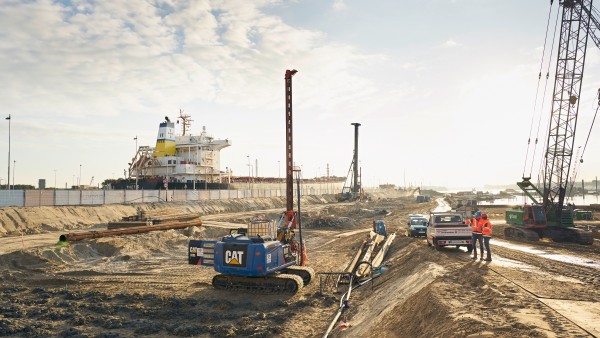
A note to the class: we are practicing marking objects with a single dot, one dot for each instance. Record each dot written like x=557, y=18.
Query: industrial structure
x=352, y=186
x=265, y=256
x=549, y=216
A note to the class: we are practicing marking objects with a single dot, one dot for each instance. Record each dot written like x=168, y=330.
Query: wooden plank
x=381, y=255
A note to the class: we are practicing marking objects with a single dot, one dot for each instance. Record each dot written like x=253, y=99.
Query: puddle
x=542, y=253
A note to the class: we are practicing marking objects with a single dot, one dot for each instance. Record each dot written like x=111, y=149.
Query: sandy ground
x=141, y=285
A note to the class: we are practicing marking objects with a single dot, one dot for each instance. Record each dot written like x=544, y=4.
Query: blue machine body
x=242, y=256
x=380, y=228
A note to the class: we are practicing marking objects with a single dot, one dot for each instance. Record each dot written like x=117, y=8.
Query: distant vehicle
x=448, y=228
x=423, y=198
x=417, y=226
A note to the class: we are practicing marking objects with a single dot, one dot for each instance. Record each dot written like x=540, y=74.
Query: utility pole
x=14, y=164
x=137, y=168
x=8, y=177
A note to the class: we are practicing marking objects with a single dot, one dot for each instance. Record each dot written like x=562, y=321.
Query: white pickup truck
x=448, y=228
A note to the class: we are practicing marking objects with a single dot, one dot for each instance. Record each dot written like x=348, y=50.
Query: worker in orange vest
x=468, y=223
x=476, y=234
x=486, y=232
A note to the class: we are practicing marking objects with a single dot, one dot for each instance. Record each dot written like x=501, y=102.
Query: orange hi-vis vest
x=487, y=228
x=468, y=221
x=476, y=225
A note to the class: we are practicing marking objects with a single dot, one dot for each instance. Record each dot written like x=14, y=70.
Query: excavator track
x=521, y=234
x=578, y=236
x=272, y=284
x=307, y=274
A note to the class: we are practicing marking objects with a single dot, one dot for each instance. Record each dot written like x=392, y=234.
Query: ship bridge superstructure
x=185, y=158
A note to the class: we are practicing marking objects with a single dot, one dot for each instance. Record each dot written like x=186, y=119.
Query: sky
x=445, y=90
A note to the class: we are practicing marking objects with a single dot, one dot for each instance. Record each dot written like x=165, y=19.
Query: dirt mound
x=329, y=221
x=23, y=261
x=34, y=220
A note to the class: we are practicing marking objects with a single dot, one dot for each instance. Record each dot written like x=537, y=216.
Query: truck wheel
x=437, y=246
x=469, y=248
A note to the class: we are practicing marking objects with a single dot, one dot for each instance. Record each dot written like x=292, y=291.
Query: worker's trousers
x=486, y=241
x=475, y=237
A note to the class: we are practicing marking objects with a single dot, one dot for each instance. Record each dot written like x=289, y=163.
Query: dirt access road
x=141, y=285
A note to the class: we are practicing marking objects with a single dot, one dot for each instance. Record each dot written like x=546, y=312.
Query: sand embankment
x=33, y=220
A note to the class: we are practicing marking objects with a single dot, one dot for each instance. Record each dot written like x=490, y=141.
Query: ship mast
x=186, y=121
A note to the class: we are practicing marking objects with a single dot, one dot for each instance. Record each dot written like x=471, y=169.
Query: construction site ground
x=141, y=285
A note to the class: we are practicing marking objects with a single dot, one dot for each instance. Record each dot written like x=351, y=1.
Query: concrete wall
x=38, y=198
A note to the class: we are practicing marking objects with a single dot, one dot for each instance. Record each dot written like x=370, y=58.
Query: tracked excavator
x=547, y=215
x=266, y=257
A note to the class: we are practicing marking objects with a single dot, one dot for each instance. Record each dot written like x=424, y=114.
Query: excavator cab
x=534, y=216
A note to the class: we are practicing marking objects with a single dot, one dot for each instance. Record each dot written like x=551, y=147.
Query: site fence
x=38, y=198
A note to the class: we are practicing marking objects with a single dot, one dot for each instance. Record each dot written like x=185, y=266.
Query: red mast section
x=289, y=150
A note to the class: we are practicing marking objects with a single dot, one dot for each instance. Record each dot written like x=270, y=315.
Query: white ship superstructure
x=181, y=158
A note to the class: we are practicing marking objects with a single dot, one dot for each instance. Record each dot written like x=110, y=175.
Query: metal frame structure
x=575, y=27
x=289, y=145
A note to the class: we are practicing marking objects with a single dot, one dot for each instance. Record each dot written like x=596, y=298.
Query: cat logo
x=234, y=257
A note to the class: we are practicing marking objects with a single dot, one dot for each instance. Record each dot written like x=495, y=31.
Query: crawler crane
x=548, y=216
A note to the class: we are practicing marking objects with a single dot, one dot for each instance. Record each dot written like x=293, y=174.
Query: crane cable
x=537, y=90
x=543, y=101
x=591, y=126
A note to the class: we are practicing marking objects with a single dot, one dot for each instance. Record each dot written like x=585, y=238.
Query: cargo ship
x=182, y=161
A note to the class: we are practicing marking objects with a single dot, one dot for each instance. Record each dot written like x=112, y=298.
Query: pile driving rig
x=265, y=257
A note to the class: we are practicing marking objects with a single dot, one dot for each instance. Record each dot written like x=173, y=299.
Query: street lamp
x=8, y=177
x=249, y=170
x=14, y=164
x=79, y=180
x=136, y=164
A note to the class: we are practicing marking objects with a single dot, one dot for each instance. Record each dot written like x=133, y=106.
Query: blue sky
x=444, y=89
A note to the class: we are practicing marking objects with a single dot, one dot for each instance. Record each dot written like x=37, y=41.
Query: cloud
x=451, y=43
x=97, y=71
x=339, y=5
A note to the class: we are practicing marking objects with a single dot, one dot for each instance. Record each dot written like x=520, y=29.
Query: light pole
x=54, y=179
x=14, y=164
x=79, y=180
x=249, y=172
x=136, y=164
x=8, y=177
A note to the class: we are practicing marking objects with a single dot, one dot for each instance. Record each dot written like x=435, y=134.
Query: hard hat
x=478, y=214
x=484, y=216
